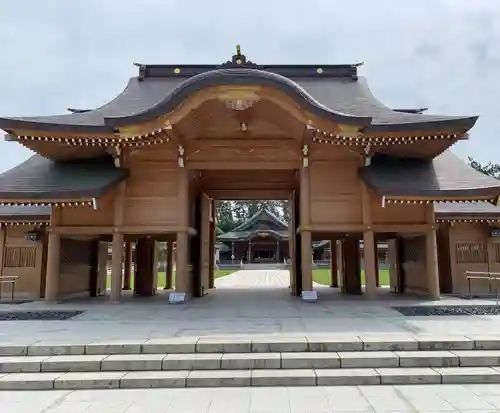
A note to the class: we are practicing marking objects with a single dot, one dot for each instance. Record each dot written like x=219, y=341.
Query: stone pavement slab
x=132, y=362
x=425, y=358
x=142, y=379
x=245, y=361
x=362, y=399
x=363, y=359
x=409, y=376
x=94, y=380
x=21, y=364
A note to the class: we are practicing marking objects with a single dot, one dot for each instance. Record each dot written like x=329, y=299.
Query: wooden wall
x=471, y=249
x=75, y=267
x=152, y=188
x=335, y=192
x=413, y=263
x=24, y=259
x=87, y=216
x=336, y=196
x=398, y=213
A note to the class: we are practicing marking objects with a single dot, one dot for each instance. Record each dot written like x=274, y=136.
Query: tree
x=490, y=169
x=224, y=216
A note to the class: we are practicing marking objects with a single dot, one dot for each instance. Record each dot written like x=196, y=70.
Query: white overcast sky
x=441, y=54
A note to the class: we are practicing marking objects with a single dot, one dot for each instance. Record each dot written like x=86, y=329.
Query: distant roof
x=39, y=178
x=332, y=91
x=260, y=215
x=246, y=229
x=444, y=176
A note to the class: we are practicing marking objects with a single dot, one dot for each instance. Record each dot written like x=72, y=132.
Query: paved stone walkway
x=226, y=311
x=416, y=398
x=256, y=279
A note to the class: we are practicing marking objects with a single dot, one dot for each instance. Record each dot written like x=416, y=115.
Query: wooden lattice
x=20, y=257
x=471, y=252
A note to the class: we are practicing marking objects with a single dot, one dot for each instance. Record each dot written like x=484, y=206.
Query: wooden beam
x=332, y=227
x=245, y=165
x=249, y=194
x=156, y=229
x=81, y=230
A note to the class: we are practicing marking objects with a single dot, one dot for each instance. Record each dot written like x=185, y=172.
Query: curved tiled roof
x=439, y=178
x=24, y=213
x=337, y=94
x=470, y=210
x=39, y=178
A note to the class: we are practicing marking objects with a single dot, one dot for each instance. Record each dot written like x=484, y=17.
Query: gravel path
x=256, y=279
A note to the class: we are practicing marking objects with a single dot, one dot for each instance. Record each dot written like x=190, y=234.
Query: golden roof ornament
x=239, y=60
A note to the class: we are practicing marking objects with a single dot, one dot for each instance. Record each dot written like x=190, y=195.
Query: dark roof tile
x=445, y=176
x=345, y=99
x=469, y=210
x=24, y=213
x=39, y=178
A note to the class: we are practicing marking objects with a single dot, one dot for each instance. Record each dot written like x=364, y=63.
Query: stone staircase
x=256, y=361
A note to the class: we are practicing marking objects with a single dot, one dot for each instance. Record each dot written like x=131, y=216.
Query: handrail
x=12, y=279
x=484, y=275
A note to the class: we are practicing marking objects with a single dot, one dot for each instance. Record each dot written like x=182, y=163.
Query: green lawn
x=324, y=276
x=162, y=277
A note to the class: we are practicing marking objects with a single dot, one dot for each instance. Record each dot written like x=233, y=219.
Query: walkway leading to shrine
x=248, y=279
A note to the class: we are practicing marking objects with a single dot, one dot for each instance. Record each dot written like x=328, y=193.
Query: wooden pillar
x=116, y=266
x=117, y=246
x=103, y=268
x=377, y=269
x=181, y=261
x=3, y=242
x=128, y=266
x=340, y=265
x=292, y=227
x=155, y=260
x=182, y=282
x=53, y=257
x=351, y=284
x=207, y=253
x=305, y=220
x=431, y=252
x=145, y=278
x=333, y=264
x=368, y=244
x=370, y=263
x=213, y=236
x=170, y=266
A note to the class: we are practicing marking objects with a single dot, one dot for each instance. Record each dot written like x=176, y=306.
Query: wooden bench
x=10, y=279
x=484, y=275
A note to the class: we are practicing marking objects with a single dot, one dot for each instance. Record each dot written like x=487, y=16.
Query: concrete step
x=250, y=361
x=244, y=378
x=255, y=344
